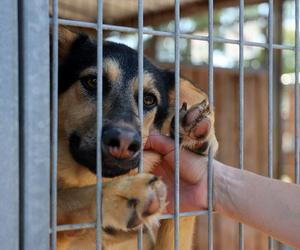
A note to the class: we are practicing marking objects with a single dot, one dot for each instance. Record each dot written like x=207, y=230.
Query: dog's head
x=121, y=138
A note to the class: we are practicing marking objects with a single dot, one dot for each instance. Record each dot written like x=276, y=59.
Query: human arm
x=269, y=205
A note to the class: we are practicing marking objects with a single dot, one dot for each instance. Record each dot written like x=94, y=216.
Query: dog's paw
x=197, y=128
x=130, y=202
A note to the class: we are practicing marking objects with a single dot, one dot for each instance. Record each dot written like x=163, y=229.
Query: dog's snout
x=121, y=143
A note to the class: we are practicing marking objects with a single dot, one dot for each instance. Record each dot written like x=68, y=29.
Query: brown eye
x=89, y=82
x=150, y=100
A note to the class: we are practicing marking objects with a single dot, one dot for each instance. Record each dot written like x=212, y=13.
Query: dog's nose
x=121, y=143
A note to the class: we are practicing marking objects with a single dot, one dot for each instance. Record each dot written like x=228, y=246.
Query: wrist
x=225, y=180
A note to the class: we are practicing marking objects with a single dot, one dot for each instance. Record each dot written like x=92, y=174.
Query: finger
x=192, y=166
x=159, y=143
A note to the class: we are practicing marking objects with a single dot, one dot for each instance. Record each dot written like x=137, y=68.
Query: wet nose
x=121, y=143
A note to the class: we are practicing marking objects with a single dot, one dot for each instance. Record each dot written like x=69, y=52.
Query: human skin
x=269, y=205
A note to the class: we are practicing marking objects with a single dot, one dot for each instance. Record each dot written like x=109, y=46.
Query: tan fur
x=77, y=176
x=165, y=239
x=65, y=41
x=148, y=87
x=112, y=70
x=76, y=184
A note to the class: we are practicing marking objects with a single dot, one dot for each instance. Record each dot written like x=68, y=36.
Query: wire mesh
x=211, y=38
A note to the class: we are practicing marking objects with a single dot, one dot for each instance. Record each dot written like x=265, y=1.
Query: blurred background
x=159, y=15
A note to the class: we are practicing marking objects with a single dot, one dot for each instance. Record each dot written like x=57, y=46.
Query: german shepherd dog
x=129, y=199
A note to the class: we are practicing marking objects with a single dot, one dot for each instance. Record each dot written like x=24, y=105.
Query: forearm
x=268, y=205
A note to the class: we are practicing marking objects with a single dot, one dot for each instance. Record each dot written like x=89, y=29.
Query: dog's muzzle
x=120, y=143
x=120, y=150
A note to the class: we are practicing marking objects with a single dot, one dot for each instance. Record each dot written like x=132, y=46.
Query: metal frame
x=34, y=124
x=25, y=119
x=9, y=126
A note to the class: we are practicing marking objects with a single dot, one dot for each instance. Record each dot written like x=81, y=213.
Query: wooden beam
x=189, y=9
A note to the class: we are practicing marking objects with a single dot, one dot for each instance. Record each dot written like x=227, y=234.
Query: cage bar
x=211, y=103
x=177, y=137
x=9, y=126
x=148, y=31
x=34, y=124
x=141, y=95
x=54, y=123
x=241, y=105
x=297, y=146
x=99, y=122
x=270, y=100
x=87, y=225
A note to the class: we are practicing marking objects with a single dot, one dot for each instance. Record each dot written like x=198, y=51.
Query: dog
x=129, y=199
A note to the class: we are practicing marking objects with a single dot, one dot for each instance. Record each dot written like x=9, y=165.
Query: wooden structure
x=124, y=12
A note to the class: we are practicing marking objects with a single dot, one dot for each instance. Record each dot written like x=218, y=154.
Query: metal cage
x=28, y=130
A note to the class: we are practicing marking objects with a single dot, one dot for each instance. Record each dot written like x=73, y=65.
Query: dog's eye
x=150, y=100
x=89, y=82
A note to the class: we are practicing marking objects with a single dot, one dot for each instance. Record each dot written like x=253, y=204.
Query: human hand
x=193, y=173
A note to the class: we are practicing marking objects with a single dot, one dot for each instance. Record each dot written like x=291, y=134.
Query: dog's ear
x=65, y=40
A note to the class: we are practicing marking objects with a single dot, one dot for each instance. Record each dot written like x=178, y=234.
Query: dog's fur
x=128, y=199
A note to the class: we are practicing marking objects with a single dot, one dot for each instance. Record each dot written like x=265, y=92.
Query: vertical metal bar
x=270, y=99
x=241, y=104
x=297, y=150
x=99, y=122
x=9, y=126
x=35, y=124
x=141, y=94
x=177, y=103
x=211, y=101
x=54, y=123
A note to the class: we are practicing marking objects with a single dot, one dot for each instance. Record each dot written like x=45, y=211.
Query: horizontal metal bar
x=171, y=34
x=68, y=227
x=184, y=214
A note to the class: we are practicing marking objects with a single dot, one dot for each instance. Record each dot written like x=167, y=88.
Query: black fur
x=82, y=55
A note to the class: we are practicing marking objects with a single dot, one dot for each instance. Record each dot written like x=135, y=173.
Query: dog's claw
x=195, y=126
x=183, y=107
